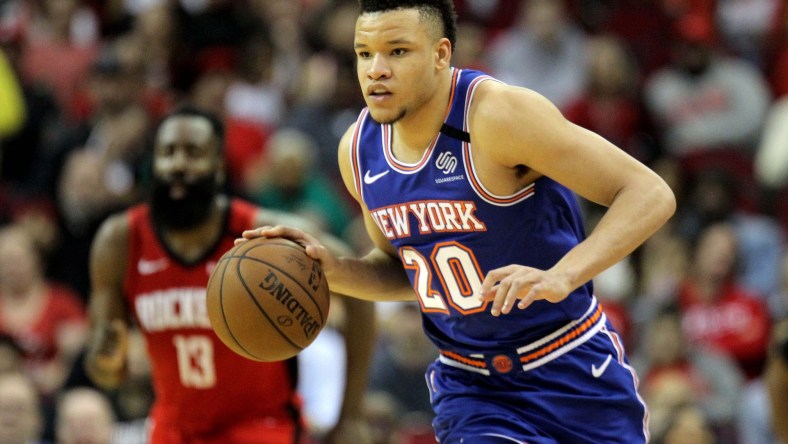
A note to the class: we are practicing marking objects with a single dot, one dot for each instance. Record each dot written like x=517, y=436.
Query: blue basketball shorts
x=582, y=390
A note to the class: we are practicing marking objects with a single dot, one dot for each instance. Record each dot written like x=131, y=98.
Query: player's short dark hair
x=441, y=10
x=217, y=127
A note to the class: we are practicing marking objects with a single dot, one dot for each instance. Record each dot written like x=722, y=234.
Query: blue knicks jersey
x=450, y=231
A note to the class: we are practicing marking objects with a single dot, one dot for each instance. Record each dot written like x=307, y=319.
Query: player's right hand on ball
x=314, y=248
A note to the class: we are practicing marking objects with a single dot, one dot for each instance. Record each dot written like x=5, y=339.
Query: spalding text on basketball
x=281, y=293
x=315, y=276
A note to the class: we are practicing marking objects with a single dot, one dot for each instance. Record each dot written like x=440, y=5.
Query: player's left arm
x=514, y=126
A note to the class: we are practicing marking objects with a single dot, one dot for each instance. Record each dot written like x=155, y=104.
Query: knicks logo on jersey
x=433, y=216
x=172, y=309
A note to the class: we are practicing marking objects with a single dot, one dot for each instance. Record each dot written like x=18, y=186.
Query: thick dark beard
x=189, y=212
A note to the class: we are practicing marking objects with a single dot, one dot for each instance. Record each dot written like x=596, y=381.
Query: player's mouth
x=178, y=190
x=378, y=93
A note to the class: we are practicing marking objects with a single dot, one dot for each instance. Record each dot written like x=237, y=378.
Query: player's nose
x=378, y=68
x=179, y=160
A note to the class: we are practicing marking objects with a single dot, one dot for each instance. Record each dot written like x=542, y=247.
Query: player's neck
x=191, y=244
x=414, y=132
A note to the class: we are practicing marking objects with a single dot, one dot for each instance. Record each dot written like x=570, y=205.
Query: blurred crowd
x=696, y=89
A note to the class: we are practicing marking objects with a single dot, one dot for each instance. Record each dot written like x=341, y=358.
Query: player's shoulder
x=241, y=214
x=500, y=108
x=238, y=205
x=115, y=229
x=343, y=151
x=347, y=137
x=497, y=99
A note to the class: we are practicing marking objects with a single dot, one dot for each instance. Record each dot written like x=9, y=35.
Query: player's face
x=186, y=171
x=397, y=57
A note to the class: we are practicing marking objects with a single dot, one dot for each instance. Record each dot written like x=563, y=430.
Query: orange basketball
x=267, y=300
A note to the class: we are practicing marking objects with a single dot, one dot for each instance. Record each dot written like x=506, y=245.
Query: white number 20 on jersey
x=458, y=272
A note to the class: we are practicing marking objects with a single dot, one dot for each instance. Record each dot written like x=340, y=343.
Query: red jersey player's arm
x=105, y=362
x=358, y=330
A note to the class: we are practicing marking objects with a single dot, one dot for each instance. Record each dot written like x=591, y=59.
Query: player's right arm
x=378, y=276
x=105, y=361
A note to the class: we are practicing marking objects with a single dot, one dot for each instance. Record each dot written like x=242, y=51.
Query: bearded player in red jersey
x=153, y=262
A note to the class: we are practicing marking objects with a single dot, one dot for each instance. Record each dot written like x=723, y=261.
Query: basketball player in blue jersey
x=467, y=186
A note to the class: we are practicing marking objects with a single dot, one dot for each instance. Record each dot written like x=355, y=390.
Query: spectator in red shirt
x=60, y=44
x=713, y=380
x=716, y=310
x=47, y=321
x=609, y=105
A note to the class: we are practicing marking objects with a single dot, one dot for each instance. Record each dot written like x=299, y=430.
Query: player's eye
x=363, y=54
x=399, y=52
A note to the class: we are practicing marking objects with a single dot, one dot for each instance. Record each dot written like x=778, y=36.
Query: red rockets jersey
x=201, y=385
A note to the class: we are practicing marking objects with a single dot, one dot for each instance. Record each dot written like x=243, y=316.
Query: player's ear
x=443, y=54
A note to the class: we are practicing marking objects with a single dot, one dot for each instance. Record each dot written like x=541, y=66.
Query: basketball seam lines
x=237, y=254
x=224, y=315
x=257, y=303
x=306, y=291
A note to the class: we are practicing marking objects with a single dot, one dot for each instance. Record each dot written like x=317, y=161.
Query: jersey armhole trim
x=355, y=158
x=473, y=178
